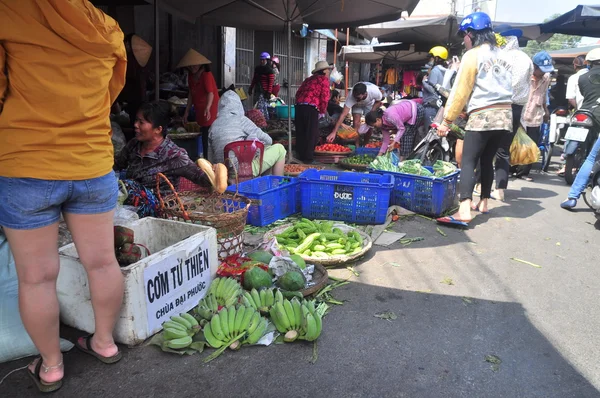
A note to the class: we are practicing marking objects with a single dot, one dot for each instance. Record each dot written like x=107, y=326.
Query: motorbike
x=581, y=135
x=432, y=147
x=559, y=123
x=591, y=196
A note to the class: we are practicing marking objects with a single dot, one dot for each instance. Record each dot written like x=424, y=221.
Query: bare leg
x=36, y=258
x=93, y=235
x=278, y=167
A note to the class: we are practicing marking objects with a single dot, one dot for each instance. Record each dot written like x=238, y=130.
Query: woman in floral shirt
x=311, y=105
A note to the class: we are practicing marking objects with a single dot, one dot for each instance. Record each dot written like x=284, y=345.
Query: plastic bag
x=523, y=150
x=335, y=76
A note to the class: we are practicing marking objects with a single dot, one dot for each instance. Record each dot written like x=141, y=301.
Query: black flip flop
x=40, y=384
x=87, y=348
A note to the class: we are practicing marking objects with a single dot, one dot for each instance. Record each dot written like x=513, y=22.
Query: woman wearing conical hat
x=203, y=93
x=134, y=92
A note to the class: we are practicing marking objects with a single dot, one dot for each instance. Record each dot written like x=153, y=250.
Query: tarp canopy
x=427, y=32
x=273, y=14
x=392, y=52
x=422, y=31
x=563, y=59
x=581, y=21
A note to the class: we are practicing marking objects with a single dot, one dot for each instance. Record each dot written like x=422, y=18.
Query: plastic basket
x=345, y=196
x=430, y=196
x=272, y=198
x=367, y=151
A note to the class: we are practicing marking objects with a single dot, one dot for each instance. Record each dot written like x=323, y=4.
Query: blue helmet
x=265, y=56
x=475, y=21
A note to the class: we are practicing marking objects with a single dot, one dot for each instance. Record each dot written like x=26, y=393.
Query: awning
x=273, y=14
x=569, y=54
x=427, y=32
x=581, y=21
x=397, y=53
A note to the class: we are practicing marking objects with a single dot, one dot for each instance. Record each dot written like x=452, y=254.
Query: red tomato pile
x=373, y=145
x=332, y=148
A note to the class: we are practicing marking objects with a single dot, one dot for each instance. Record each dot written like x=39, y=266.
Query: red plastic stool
x=243, y=152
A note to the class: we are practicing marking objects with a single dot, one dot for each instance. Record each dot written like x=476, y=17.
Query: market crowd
x=57, y=157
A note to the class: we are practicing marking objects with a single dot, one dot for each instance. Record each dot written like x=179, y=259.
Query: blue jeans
x=583, y=176
x=29, y=203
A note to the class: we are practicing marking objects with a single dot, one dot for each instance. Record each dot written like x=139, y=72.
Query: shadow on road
x=436, y=347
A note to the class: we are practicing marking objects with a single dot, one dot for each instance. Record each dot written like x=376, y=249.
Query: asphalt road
x=458, y=299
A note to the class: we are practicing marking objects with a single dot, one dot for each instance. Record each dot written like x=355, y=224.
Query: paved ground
x=541, y=322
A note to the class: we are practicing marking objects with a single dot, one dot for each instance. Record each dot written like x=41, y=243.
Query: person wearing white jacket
x=232, y=125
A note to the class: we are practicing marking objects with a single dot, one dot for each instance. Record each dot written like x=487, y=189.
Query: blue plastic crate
x=367, y=151
x=273, y=198
x=344, y=196
x=430, y=196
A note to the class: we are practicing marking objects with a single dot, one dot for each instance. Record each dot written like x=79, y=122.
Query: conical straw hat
x=192, y=57
x=141, y=50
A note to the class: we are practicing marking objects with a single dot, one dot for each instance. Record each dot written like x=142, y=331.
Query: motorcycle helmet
x=275, y=59
x=439, y=51
x=593, y=56
x=265, y=55
x=475, y=21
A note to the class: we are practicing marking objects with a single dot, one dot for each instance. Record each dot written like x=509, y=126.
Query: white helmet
x=593, y=55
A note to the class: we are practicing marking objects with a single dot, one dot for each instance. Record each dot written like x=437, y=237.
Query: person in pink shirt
x=403, y=119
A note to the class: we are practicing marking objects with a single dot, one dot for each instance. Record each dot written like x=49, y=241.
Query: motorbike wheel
x=429, y=154
x=573, y=161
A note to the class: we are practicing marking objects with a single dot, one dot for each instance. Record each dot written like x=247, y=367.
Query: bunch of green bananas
x=227, y=325
x=178, y=332
x=297, y=320
x=226, y=291
x=207, y=307
x=262, y=301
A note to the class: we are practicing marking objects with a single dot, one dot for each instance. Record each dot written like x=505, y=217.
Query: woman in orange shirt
x=203, y=94
x=58, y=160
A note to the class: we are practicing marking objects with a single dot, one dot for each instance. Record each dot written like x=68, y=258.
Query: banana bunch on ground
x=262, y=301
x=297, y=320
x=178, y=332
x=231, y=324
x=226, y=291
x=207, y=307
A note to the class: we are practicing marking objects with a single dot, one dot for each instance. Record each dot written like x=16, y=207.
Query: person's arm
x=378, y=97
x=376, y=105
x=463, y=87
x=117, y=80
x=189, y=170
x=253, y=83
x=385, y=141
x=339, y=122
x=270, y=82
x=573, y=103
x=571, y=92
x=211, y=87
x=3, y=78
x=253, y=132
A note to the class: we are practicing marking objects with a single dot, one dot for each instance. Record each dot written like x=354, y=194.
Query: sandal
x=476, y=208
x=84, y=344
x=450, y=220
x=41, y=384
x=526, y=178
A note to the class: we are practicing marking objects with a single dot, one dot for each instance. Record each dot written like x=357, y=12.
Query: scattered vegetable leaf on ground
x=441, y=232
x=387, y=315
x=495, y=361
x=447, y=281
x=525, y=262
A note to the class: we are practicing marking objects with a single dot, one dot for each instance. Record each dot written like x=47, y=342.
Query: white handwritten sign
x=176, y=284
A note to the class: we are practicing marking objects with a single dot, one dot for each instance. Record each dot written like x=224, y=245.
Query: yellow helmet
x=439, y=51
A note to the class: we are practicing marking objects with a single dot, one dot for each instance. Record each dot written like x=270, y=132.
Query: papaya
x=291, y=281
x=257, y=278
x=261, y=256
x=298, y=260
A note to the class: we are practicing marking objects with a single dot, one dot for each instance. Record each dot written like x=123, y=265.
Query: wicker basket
x=227, y=213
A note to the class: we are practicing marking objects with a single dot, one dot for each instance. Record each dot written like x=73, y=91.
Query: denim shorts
x=29, y=203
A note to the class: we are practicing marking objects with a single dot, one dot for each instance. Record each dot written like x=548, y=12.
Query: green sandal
x=42, y=385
